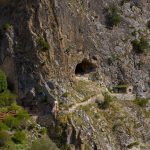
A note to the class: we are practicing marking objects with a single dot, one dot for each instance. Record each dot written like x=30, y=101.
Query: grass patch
x=141, y=102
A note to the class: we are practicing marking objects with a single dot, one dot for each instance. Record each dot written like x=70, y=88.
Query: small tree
x=3, y=81
x=113, y=17
x=139, y=46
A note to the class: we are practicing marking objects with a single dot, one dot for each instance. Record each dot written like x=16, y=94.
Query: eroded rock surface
x=43, y=41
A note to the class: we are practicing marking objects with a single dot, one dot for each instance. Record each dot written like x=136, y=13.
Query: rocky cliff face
x=42, y=42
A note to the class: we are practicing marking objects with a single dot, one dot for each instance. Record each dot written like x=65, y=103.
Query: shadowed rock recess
x=67, y=56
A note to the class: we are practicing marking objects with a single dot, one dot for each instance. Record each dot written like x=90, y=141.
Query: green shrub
x=134, y=33
x=10, y=145
x=15, y=122
x=15, y=107
x=132, y=145
x=23, y=115
x=140, y=64
x=140, y=46
x=12, y=122
x=106, y=103
x=116, y=126
x=113, y=18
x=19, y=137
x=3, y=126
x=124, y=1
x=44, y=45
x=7, y=98
x=66, y=94
x=7, y=26
x=4, y=138
x=141, y=102
x=43, y=144
x=43, y=131
x=3, y=81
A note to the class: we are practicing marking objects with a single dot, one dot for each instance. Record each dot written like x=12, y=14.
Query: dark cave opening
x=85, y=67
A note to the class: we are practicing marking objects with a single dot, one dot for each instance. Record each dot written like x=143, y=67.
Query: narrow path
x=89, y=101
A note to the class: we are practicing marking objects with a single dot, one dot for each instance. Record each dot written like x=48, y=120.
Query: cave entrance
x=85, y=67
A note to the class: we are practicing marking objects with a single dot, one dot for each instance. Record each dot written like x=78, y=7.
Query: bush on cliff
x=7, y=98
x=19, y=137
x=140, y=46
x=43, y=144
x=141, y=102
x=113, y=17
x=44, y=45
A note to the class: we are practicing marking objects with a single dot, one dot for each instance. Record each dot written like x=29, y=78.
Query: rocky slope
x=43, y=41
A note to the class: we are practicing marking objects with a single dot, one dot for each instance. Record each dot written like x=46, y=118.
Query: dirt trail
x=85, y=103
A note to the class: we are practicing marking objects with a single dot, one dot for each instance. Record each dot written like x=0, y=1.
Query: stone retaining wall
x=124, y=96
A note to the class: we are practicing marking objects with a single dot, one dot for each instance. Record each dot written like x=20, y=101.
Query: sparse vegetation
x=140, y=46
x=65, y=94
x=132, y=145
x=7, y=98
x=13, y=120
x=113, y=17
x=106, y=103
x=19, y=137
x=94, y=76
x=4, y=138
x=124, y=1
x=3, y=126
x=141, y=102
x=7, y=26
x=43, y=144
x=44, y=45
x=140, y=64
